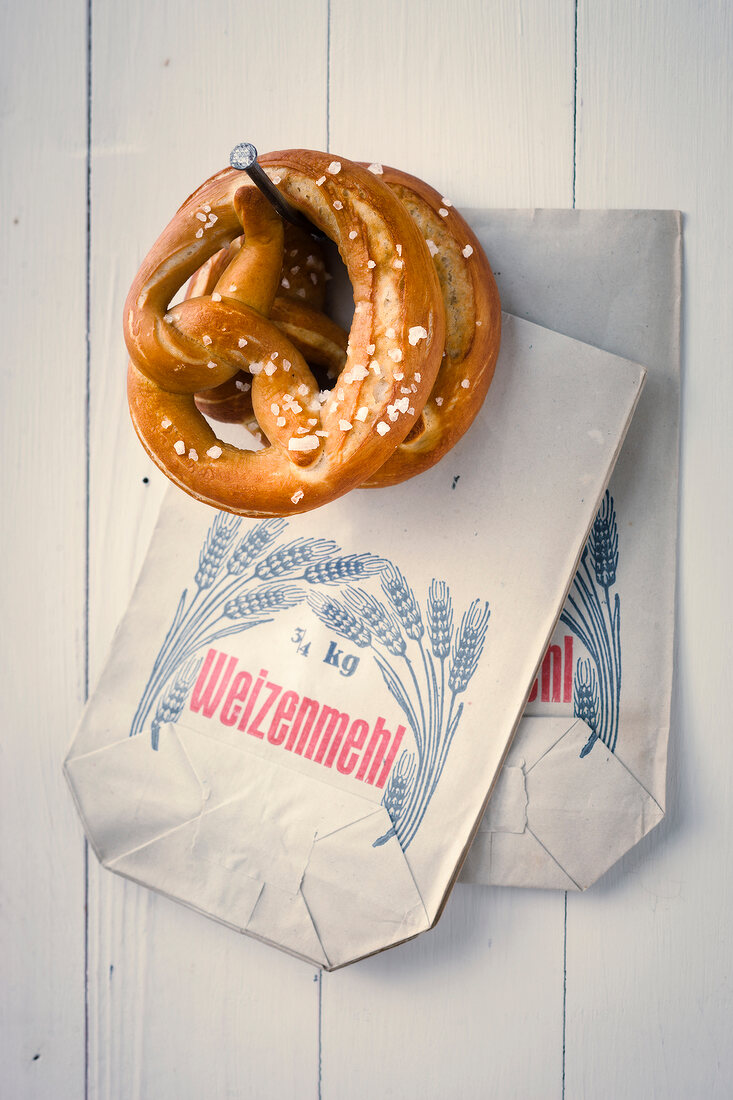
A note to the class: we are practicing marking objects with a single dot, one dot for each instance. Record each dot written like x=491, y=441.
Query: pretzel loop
x=321, y=445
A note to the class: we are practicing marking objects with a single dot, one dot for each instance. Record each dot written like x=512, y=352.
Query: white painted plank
x=42, y=464
x=476, y=98
x=650, y=949
x=190, y=1008
x=480, y=102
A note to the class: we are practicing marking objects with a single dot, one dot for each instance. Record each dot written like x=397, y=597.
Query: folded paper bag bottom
x=557, y=819
x=217, y=828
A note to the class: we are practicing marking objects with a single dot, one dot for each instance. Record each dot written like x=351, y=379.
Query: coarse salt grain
x=478, y=324
x=301, y=431
x=179, y=447
x=321, y=181
x=432, y=247
x=411, y=411
x=214, y=452
x=193, y=455
x=468, y=251
x=398, y=376
x=307, y=443
x=395, y=355
x=334, y=167
x=199, y=232
x=443, y=212
x=353, y=235
x=201, y=217
x=274, y=354
x=376, y=169
x=242, y=386
x=302, y=388
x=322, y=434
x=275, y=408
x=277, y=179
x=312, y=421
x=398, y=263
x=297, y=496
x=295, y=270
x=256, y=368
x=206, y=208
x=345, y=425
x=281, y=421
x=285, y=282
x=301, y=292
x=418, y=376
x=270, y=369
x=314, y=278
x=211, y=364
x=374, y=365
x=206, y=340
x=446, y=202
x=382, y=428
x=338, y=205
x=417, y=333
x=165, y=423
x=390, y=334
x=216, y=297
x=438, y=401
x=212, y=218
x=359, y=372
x=465, y=383
x=242, y=342
x=371, y=264
x=232, y=286
x=362, y=413
x=370, y=349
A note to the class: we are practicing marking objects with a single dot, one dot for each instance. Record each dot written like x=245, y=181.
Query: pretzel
x=473, y=330
x=297, y=311
x=321, y=445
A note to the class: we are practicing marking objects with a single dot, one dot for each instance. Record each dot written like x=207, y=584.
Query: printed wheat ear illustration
x=595, y=617
x=239, y=585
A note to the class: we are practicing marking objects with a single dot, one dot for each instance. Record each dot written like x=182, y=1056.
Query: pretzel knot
x=236, y=329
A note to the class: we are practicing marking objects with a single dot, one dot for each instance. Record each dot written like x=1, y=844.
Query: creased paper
x=613, y=279
x=300, y=720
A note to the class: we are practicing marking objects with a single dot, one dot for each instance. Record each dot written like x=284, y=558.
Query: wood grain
x=650, y=949
x=178, y=1006
x=42, y=242
x=460, y=100
x=494, y=104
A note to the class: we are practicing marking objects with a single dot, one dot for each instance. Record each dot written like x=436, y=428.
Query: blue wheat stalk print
x=425, y=680
x=595, y=617
x=239, y=584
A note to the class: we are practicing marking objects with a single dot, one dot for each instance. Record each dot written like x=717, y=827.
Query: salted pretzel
x=473, y=330
x=321, y=444
x=297, y=311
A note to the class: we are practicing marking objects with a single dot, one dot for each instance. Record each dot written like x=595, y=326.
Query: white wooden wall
x=111, y=114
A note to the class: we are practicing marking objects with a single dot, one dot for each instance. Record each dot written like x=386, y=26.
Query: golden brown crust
x=473, y=331
x=320, y=447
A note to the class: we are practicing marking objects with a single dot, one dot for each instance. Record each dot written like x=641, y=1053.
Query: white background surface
x=110, y=116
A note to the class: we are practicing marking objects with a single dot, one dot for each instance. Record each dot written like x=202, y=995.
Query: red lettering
x=329, y=720
x=354, y=739
x=307, y=712
x=285, y=711
x=567, y=695
x=252, y=699
x=254, y=729
x=237, y=693
x=376, y=748
x=533, y=692
x=551, y=665
x=208, y=690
